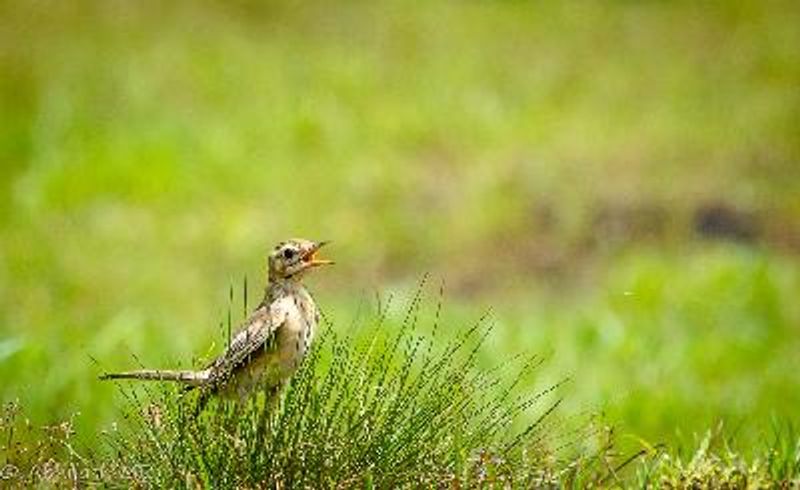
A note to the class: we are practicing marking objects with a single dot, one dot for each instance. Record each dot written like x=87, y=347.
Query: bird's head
x=292, y=258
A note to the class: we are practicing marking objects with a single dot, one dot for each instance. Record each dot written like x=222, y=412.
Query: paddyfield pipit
x=273, y=341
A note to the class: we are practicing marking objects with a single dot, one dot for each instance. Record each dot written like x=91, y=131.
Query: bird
x=273, y=341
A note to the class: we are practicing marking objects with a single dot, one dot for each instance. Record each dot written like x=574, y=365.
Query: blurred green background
x=618, y=181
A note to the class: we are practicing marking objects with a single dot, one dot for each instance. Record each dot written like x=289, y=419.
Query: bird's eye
x=288, y=253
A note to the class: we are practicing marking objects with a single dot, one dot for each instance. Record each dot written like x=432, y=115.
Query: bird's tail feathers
x=191, y=378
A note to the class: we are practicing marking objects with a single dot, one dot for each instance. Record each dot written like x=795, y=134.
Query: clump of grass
x=717, y=464
x=365, y=409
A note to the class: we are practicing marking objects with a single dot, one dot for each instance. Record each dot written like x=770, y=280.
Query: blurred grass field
x=619, y=182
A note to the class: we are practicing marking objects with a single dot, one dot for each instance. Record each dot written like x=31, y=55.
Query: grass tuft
x=716, y=463
x=365, y=409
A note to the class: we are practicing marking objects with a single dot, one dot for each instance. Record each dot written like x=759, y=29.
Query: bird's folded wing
x=260, y=329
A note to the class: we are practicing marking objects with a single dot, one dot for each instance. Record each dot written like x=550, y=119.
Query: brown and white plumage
x=271, y=343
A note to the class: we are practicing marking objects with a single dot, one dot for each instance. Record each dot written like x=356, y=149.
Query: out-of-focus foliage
x=408, y=134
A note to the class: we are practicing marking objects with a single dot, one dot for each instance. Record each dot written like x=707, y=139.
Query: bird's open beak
x=311, y=259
